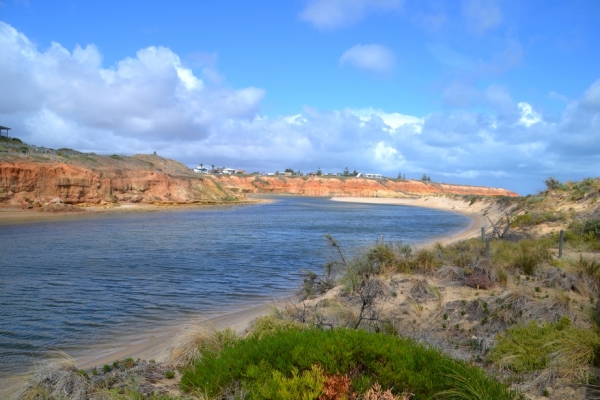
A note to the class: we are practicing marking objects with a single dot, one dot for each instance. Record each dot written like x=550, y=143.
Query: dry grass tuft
x=574, y=354
x=558, y=278
x=588, y=275
x=451, y=274
x=192, y=342
x=57, y=378
x=554, y=308
x=375, y=393
x=422, y=290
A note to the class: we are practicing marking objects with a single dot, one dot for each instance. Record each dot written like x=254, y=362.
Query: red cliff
x=350, y=186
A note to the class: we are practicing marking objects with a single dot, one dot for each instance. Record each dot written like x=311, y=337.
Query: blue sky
x=480, y=92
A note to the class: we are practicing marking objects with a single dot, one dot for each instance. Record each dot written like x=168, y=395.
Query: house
x=201, y=170
x=374, y=176
x=228, y=171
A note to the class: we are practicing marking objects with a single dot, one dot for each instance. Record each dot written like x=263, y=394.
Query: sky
x=477, y=92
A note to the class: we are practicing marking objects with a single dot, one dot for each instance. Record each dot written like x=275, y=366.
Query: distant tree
x=346, y=172
x=400, y=175
x=355, y=172
x=424, y=178
x=201, y=165
x=552, y=183
x=319, y=172
x=289, y=170
x=213, y=166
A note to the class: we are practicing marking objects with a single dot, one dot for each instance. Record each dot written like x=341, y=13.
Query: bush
x=531, y=347
x=552, y=183
x=292, y=359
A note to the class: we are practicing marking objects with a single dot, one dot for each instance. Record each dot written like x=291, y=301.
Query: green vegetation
x=534, y=347
x=292, y=361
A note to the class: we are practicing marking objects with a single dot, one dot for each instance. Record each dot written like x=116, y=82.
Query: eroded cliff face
x=151, y=179
x=350, y=186
x=96, y=180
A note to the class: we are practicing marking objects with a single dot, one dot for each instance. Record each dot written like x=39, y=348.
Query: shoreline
x=480, y=214
x=17, y=215
x=157, y=344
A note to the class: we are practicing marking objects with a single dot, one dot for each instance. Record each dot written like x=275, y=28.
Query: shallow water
x=81, y=284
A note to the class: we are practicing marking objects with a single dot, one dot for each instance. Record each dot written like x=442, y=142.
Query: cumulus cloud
x=481, y=15
x=371, y=57
x=152, y=101
x=330, y=14
x=150, y=95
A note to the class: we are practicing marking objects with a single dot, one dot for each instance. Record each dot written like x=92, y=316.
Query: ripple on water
x=77, y=284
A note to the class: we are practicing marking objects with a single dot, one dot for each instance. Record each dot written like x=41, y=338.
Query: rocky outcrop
x=350, y=186
x=95, y=180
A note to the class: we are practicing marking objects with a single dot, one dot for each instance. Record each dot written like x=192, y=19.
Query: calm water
x=80, y=284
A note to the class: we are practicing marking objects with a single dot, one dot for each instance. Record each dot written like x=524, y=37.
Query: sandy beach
x=17, y=215
x=481, y=213
x=157, y=344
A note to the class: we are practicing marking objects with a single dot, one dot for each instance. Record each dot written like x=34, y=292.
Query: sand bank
x=158, y=345
x=481, y=212
x=13, y=215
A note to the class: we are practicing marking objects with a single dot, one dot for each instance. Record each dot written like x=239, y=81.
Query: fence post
x=561, y=238
x=483, y=234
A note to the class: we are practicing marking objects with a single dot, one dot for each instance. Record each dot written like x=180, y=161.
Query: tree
x=319, y=173
x=201, y=165
x=355, y=172
x=213, y=167
x=552, y=183
x=424, y=178
x=289, y=170
x=400, y=175
x=346, y=172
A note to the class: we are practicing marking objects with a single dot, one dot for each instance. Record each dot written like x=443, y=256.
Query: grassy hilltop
x=455, y=321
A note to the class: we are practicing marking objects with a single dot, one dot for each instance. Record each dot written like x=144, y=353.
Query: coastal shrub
x=526, y=255
x=534, y=347
x=582, y=235
x=294, y=358
x=536, y=218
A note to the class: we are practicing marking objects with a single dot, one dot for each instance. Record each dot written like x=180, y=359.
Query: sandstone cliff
x=92, y=179
x=27, y=179
x=350, y=186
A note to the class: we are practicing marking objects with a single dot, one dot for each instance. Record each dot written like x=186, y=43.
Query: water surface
x=85, y=283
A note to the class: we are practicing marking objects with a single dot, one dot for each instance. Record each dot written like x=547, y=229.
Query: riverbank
x=18, y=215
x=157, y=347
x=482, y=213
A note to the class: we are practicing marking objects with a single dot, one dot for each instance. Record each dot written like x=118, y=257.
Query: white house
x=374, y=176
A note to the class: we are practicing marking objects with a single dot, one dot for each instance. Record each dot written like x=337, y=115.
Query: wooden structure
x=4, y=128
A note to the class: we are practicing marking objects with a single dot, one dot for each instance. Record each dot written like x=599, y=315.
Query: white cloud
x=151, y=94
x=528, y=115
x=394, y=121
x=481, y=15
x=370, y=57
x=329, y=14
x=152, y=102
